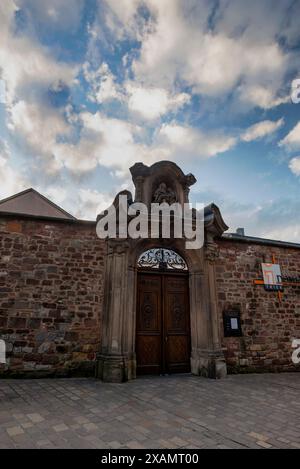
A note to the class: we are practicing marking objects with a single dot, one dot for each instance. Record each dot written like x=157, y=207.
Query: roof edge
x=49, y=201
x=27, y=216
x=255, y=240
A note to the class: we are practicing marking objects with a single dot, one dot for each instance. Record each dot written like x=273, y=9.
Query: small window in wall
x=162, y=259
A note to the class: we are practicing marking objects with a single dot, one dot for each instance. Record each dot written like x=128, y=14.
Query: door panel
x=176, y=324
x=149, y=322
x=163, y=324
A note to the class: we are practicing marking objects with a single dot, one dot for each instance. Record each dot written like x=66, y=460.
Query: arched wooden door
x=163, y=321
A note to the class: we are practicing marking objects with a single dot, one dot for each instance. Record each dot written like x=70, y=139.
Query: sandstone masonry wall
x=51, y=299
x=51, y=292
x=268, y=325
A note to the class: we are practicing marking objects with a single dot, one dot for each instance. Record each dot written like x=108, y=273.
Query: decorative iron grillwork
x=160, y=258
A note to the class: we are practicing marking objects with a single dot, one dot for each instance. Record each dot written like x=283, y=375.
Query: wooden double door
x=163, y=323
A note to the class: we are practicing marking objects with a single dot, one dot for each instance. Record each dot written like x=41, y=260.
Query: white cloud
x=261, y=96
x=103, y=83
x=290, y=233
x=193, y=142
x=178, y=44
x=12, y=181
x=273, y=219
x=118, y=148
x=57, y=194
x=83, y=203
x=4, y=152
x=58, y=14
x=184, y=45
x=295, y=165
x=224, y=61
x=152, y=103
x=28, y=68
x=91, y=203
x=292, y=140
x=121, y=17
x=261, y=130
x=279, y=219
x=40, y=127
x=113, y=143
x=81, y=157
x=103, y=141
x=24, y=62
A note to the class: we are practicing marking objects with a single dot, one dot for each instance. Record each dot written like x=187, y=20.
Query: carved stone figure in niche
x=164, y=194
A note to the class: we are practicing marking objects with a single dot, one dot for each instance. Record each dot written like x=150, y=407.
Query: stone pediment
x=162, y=182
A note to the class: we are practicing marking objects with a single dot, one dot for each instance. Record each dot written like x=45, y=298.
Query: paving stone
x=264, y=444
x=60, y=428
x=13, y=431
x=135, y=445
x=246, y=411
x=35, y=418
x=259, y=437
x=295, y=445
x=90, y=427
x=26, y=425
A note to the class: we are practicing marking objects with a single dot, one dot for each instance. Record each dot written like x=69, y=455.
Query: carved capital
x=117, y=246
x=211, y=252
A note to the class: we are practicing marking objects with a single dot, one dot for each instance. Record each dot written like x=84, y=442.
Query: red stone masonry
x=51, y=295
x=268, y=326
x=51, y=292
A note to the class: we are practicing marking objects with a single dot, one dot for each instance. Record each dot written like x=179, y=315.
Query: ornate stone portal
x=162, y=182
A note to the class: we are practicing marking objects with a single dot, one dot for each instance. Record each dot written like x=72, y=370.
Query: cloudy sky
x=93, y=86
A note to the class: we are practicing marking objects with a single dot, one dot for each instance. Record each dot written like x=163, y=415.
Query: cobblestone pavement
x=246, y=411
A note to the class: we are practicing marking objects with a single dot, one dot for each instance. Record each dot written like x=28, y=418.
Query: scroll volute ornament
x=212, y=252
x=214, y=226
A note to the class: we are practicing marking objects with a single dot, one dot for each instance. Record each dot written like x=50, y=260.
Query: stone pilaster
x=216, y=361
x=112, y=365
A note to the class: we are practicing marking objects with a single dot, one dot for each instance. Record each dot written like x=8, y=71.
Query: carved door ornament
x=160, y=258
x=164, y=194
x=147, y=311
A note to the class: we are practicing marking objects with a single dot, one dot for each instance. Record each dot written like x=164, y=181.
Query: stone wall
x=51, y=292
x=268, y=325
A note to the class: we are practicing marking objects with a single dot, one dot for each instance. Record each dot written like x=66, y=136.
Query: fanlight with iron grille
x=160, y=258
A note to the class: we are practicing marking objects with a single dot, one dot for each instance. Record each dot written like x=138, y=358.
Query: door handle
x=166, y=338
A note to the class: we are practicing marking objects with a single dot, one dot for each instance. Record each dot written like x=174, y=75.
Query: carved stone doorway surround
x=117, y=360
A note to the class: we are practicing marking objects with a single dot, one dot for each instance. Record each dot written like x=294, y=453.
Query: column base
x=209, y=364
x=115, y=368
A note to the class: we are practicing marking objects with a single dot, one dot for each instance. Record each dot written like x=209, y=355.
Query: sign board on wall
x=232, y=324
x=274, y=280
x=272, y=277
